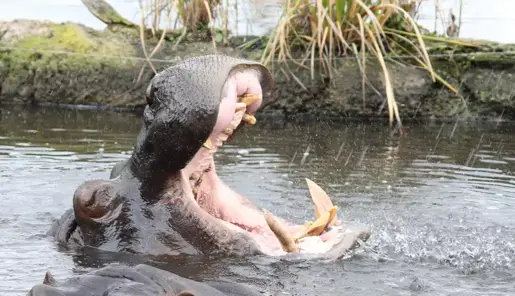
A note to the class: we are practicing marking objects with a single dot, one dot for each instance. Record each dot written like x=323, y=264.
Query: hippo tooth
x=228, y=131
x=323, y=203
x=321, y=223
x=316, y=228
x=249, y=98
x=302, y=231
x=208, y=144
x=249, y=118
x=286, y=240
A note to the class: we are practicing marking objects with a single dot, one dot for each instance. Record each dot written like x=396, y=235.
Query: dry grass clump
x=180, y=17
x=320, y=30
x=190, y=14
x=312, y=33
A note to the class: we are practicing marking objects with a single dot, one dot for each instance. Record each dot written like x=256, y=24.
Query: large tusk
x=317, y=228
x=286, y=240
x=323, y=203
x=302, y=232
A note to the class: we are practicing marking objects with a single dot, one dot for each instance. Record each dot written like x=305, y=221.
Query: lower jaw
x=221, y=202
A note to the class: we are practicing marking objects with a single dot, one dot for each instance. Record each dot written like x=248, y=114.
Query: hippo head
x=168, y=196
x=188, y=104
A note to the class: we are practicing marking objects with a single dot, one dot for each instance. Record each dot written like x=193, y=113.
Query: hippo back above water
x=141, y=280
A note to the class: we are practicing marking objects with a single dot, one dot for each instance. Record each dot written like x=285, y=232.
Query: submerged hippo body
x=141, y=280
x=167, y=198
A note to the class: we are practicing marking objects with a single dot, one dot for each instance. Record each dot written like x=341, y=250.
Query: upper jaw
x=203, y=161
x=244, y=112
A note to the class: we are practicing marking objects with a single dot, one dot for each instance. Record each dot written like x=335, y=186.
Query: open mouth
x=274, y=235
x=215, y=197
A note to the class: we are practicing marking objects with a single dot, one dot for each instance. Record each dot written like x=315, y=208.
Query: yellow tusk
x=323, y=203
x=301, y=233
x=318, y=227
x=287, y=242
x=208, y=144
x=249, y=118
x=249, y=98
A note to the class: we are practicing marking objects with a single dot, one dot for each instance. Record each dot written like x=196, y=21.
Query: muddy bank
x=47, y=63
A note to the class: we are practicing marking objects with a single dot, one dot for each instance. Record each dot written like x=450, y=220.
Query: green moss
x=90, y=59
x=71, y=37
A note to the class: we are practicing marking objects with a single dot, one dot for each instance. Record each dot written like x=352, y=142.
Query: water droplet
x=243, y=151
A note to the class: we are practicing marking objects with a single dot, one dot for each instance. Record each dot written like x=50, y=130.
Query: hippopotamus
x=140, y=280
x=167, y=198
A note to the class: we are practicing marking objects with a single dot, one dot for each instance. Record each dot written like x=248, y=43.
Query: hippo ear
x=49, y=280
x=148, y=116
x=185, y=293
x=149, y=95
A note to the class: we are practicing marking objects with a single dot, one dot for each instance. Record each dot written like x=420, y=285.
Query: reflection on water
x=440, y=201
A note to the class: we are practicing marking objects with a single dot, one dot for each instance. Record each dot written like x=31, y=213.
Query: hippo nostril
x=150, y=94
x=90, y=200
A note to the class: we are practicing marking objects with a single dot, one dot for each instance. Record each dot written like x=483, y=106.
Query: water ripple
x=441, y=208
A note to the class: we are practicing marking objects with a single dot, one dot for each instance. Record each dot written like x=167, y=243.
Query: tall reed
x=320, y=30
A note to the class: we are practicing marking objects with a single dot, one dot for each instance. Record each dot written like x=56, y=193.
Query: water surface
x=440, y=201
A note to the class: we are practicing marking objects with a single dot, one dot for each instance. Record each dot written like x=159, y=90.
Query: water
x=256, y=17
x=440, y=202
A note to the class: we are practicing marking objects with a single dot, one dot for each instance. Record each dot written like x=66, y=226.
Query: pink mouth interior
x=211, y=194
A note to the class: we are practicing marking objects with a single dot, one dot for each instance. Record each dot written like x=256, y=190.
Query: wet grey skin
x=140, y=280
x=143, y=209
x=147, y=206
